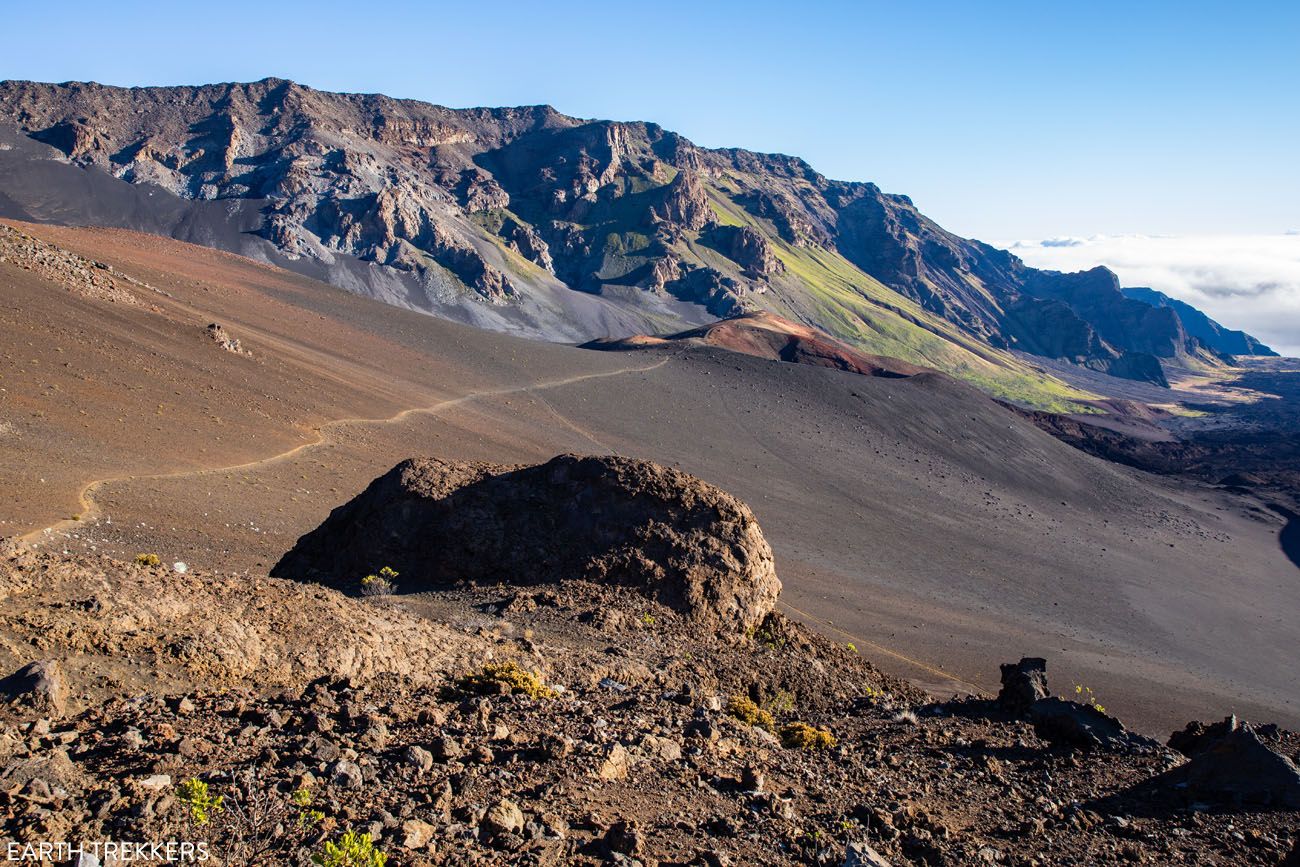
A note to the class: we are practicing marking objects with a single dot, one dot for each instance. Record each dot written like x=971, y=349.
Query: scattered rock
x=419, y=758
x=231, y=344
x=347, y=775
x=614, y=765
x=862, y=855
x=416, y=834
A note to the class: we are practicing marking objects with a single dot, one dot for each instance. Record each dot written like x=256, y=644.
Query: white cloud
x=1251, y=282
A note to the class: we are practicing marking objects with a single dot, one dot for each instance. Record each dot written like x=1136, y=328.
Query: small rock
x=347, y=774
x=445, y=749
x=416, y=834
x=862, y=855
x=625, y=838
x=615, y=764
x=503, y=817
x=419, y=758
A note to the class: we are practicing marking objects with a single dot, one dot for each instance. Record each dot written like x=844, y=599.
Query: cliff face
x=1211, y=334
x=497, y=216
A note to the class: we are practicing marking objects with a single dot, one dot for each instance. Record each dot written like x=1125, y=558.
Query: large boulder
x=1074, y=724
x=684, y=542
x=1230, y=760
x=39, y=686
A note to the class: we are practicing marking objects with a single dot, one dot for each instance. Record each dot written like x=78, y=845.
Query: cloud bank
x=1250, y=282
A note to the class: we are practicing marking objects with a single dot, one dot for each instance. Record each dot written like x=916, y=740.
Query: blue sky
x=1002, y=120
x=1162, y=138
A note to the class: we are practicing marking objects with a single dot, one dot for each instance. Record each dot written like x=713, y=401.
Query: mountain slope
x=1211, y=334
x=527, y=220
x=930, y=524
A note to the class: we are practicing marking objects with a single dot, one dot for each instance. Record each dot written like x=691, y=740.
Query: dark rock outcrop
x=1023, y=683
x=748, y=248
x=689, y=545
x=1073, y=724
x=685, y=204
x=1061, y=723
x=1231, y=761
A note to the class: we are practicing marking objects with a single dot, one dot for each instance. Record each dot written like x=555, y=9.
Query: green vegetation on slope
x=825, y=289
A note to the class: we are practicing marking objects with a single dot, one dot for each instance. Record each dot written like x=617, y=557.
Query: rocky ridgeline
x=85, y=277
x=499, y=206
x=565, y=720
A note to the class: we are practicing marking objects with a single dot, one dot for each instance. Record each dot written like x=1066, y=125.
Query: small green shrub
x=508, y=676
x=351, y=850
x=380, y=584
x=766, y=637
x=148, y=560
x=801, y=736
x=302, y=801
x=1085, y=695
x=853, y=648
x=750, y=714
x=647, y=619
x=781, y=702
x=195, y=796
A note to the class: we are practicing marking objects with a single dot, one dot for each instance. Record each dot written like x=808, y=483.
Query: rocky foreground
x=606, y=718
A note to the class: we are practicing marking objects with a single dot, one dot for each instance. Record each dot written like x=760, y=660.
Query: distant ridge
x=530, y=221
x=1223, y=340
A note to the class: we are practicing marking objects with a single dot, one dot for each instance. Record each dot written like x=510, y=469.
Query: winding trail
x=86, y=497
x=975, y=689
x=90, y=509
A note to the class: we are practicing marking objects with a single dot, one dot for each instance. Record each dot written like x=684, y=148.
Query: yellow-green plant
x=507, y=676
x=1085, y=695
x=853, y=648
x=766, y=637
x=744, y=710
x=647, y=619
x=147, y=560
x=801, y=736
x=196, y=797
x=379, y=584
x=307, y=816
x=780, y=702
x=350, y=850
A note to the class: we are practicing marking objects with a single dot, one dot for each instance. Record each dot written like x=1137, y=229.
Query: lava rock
x=1240, y=766
x=615, y=520
x=38, y=685
x=1023, y=683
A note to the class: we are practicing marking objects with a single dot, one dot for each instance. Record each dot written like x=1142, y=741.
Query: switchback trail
x=89, y=509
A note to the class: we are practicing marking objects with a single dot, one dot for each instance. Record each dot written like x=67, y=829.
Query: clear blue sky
x=1002, y=120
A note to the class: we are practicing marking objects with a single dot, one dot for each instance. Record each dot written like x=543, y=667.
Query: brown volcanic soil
x=261, y=687
x=939, y=531
x=766, y=335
